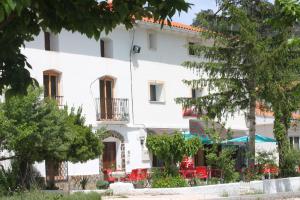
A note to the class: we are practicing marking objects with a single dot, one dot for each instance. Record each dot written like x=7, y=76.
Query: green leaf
x=2, y=14
x=12, y=4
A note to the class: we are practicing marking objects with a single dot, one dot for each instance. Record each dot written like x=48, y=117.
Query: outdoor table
x=118, y=174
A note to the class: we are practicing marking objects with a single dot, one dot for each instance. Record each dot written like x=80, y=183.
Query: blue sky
x=199, y=5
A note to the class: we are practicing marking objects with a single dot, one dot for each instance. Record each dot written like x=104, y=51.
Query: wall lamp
x=136, y=49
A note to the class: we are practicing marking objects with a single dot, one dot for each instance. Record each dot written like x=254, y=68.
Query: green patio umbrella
x=245, y=139
x=204, y=139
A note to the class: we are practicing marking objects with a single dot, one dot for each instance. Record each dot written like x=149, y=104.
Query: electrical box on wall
x=145, y=155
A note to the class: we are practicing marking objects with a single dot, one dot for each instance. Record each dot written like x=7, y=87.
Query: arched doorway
x=113, y=156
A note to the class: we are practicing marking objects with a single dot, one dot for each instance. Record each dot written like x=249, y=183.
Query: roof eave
x=167, y=28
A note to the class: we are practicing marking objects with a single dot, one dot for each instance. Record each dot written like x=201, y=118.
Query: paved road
x=190, y=197
x=160, y=197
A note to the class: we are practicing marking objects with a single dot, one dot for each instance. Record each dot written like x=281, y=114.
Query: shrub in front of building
x=37, y=195
x=169, y=182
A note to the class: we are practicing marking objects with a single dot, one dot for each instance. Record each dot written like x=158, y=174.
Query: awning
x=244, y=139
x=203, y=138
x=161, y=131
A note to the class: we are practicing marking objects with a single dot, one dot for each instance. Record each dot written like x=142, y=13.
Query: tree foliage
x=220, y=156
x=171, y=148
x=231, y=60
x=37, y=130
x=21, y=20
x=280, y=85
x=41, y=131
x=254, y=57
x=223, y=161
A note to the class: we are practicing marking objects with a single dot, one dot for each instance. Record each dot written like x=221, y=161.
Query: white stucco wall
x=78, y=73
x=80, y=64
x=78, y=44
x=133, y=147
x=90, y=167
x=79, y=84
x=40, y=167
x=5, y=163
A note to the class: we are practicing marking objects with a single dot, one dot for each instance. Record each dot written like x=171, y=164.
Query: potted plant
x=101, y=184
x=83, y=182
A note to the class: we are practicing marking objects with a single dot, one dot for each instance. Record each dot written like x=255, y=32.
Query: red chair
x=133, y=176
x=201, y=172
x=274, y=170
x=187, y=173
x=137, y=175
x=187, y=163
x=143, y=174
x=270, y=170
x=108, y=176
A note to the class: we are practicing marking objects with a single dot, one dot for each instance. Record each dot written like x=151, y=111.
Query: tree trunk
x=252, y=130
x=23, y=175
x=281, y=126
x=50, y=174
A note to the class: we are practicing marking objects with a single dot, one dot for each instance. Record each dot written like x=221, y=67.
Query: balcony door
x=51, y=84
x=106, y=98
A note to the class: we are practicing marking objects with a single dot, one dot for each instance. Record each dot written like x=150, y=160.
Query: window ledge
x=157, y=102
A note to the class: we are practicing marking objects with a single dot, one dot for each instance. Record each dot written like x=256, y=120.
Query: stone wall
x=272, y=186
x=73, y=183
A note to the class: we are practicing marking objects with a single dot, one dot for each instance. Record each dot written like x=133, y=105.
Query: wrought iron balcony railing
x=59, y=99
x=189, y=111
x=112, y=109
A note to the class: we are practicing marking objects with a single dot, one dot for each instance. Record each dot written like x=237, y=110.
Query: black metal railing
x=59, y=100
x=188, y=110
x=112, y=109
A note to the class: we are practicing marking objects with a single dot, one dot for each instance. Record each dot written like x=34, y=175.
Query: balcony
x=112, y=109
x=189, y=112
x=59, y=100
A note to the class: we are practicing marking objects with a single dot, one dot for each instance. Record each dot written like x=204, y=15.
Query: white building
x=126, y=82
x=128, y=92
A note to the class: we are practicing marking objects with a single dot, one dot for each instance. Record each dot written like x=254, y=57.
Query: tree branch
x=7, y=158
x=7, y=21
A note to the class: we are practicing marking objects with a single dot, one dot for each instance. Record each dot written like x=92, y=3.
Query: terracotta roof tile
x=260, y=111
x=175, y=24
